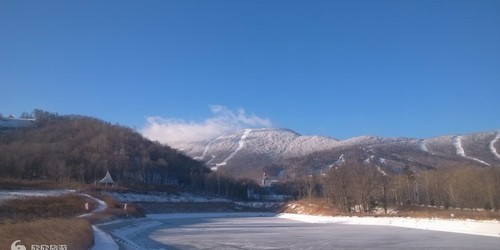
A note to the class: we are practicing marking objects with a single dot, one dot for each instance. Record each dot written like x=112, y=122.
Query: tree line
x=358, y=186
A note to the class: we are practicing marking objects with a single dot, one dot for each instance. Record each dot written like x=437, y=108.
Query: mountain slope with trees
x=78, y=148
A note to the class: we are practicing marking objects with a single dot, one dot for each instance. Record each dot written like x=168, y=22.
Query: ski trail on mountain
x=492, y=146
x=205, y=151
x=423, y=147
x=339, y=162
x=207, y=147
x=457, y=141
x=241, y=143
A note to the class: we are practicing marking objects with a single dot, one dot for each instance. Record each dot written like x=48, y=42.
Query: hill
x=78, y=148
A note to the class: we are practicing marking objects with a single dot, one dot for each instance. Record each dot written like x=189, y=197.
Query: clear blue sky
x=334, y=68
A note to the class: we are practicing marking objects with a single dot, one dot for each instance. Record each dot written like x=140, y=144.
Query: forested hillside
x=78, y=148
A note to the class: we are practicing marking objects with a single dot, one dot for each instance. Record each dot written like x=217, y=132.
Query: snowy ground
x=286, y=231
x=19, y=194
x=268, y=230
x=484, y=228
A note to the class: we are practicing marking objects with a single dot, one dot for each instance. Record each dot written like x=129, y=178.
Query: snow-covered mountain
x=266, y=145
x=249, y=152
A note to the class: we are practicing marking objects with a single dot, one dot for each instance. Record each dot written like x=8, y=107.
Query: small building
x=11, y=122
x=107, y=179
x=266, y=181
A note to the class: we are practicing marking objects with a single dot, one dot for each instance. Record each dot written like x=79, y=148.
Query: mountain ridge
x=247, y=152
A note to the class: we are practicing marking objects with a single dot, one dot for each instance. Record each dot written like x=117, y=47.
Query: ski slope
x=492, y=146
x=457, y=141
x=241, y=143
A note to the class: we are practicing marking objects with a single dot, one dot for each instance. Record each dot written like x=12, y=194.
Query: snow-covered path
x=102, y=240
x=101, y=205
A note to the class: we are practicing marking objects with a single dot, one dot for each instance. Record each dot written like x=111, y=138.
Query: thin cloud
x=223, y=121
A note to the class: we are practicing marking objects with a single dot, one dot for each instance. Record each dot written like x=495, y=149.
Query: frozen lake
x=265, y=231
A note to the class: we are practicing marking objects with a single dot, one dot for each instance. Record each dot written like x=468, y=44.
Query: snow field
x=484, y=228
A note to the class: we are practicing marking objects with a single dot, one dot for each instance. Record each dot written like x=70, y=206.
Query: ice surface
x=268, y=231
x=163, y=197
x=102, y=240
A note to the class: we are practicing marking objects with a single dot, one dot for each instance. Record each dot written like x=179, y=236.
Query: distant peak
x=285, y=130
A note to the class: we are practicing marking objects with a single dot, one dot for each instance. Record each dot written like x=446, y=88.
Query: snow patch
x=492, y=146
x=485, y=228
x=457, y=141
x=382, y=161
x=381, y=171
x=241, y=143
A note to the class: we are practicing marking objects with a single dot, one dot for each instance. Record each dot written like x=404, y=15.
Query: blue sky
x=334, y=68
